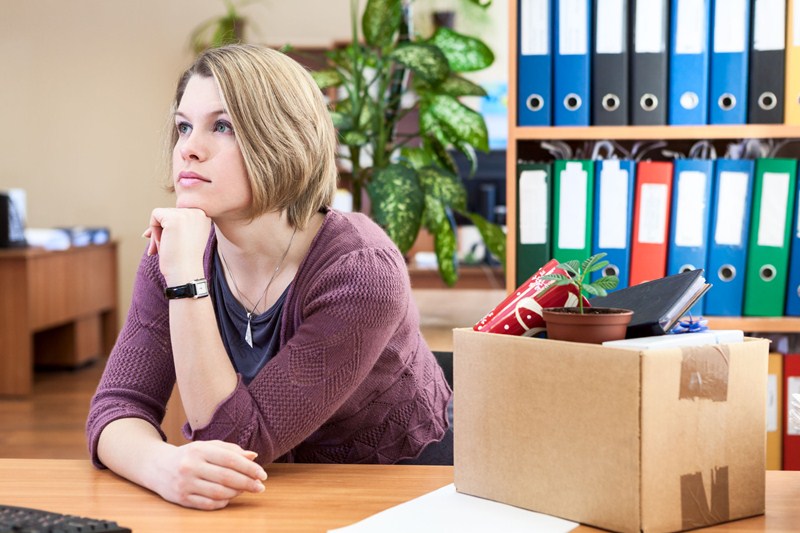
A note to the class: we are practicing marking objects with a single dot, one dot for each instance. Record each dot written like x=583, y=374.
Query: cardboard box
x=626, y=440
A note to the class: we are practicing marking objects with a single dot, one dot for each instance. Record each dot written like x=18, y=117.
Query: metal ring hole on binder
x=649, y=102
x=726, y=272
x=572, y=102
x=611, y=102
x=535, y=102
x=611, y=270
x=689, y=100
x=767, y=100
x=767, y=272
x=727, y=101
x=685, y=268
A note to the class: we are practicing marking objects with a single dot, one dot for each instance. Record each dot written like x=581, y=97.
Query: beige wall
x=85, y=87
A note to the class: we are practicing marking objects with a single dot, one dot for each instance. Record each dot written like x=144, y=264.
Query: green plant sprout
x=578, y=276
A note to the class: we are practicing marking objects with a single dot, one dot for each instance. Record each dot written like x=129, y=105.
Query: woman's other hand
x=208, y=474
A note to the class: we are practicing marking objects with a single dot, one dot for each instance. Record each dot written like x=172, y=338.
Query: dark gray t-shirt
x=232, y=322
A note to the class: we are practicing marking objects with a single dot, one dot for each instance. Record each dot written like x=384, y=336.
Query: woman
x=308, y=348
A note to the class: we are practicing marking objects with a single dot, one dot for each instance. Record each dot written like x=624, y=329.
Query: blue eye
x=222, y=126
x=183, y=128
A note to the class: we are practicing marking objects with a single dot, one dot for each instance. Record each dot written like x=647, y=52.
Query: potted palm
x=385, y=74
x=580, y=323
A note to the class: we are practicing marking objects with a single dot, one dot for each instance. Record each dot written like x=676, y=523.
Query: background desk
x=298, y=498
x=59, y=308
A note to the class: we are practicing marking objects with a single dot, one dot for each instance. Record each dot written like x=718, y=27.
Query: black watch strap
x=194, y=289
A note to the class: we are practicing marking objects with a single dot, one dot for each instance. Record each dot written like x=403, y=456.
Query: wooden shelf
x=742, y=131
x=780, y=324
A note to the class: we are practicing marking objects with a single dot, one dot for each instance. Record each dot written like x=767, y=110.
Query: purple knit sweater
x=352, y=382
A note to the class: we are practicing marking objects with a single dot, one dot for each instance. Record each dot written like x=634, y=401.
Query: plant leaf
x=464, y=123
x=593, y=290
x=341, y=121
x=417, y=157
x=607, y=282
x=328, y=77
x=354, y=138
x=444, y=186
x=595, y=267
x=469, y=153
x=439, y=153
x=493, y=236
x=557, y=277
x=463, y=53
x=456, y=86
x=381, y=21
x=444, y=244
x=425, y=60
x=570, y=266
x=397, y=203
x=587, y=263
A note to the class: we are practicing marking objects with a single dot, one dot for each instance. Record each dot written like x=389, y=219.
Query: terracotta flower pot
x=595, y=326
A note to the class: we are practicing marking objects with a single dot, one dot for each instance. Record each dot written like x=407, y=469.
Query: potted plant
x=410, y=177
x=221, y=30
x=580, y=323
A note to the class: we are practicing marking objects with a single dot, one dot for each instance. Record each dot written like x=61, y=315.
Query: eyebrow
x=210, y=114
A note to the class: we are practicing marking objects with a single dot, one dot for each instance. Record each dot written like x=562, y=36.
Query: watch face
x=201, y=288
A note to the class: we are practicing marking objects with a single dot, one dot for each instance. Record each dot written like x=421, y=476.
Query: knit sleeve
x=139, y=375
x=350, y=312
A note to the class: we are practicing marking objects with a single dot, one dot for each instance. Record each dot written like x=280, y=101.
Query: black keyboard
x=26, y=520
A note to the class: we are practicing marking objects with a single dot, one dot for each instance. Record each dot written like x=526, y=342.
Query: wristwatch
x=194, y=289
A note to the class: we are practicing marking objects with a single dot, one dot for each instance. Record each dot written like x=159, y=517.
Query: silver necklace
x=248, y=333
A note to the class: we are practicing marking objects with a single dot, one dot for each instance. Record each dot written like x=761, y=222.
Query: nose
x=192, y=147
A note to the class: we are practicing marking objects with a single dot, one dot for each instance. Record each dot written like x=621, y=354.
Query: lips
x=187, y=178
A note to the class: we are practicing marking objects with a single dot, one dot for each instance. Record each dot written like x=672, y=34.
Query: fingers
x=208, y=474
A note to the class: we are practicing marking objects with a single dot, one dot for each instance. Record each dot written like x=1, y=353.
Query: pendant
x=248, y=333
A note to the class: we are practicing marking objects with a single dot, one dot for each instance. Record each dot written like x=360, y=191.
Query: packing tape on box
x=696, y=511
x=704, y=372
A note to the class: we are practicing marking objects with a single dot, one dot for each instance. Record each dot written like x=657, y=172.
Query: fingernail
x=259, y=486
x=262, y=475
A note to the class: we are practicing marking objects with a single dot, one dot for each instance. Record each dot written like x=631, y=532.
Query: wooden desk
x=298, y=498
x=57, y=309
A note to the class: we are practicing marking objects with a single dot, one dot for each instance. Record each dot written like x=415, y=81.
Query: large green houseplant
x=412, y=181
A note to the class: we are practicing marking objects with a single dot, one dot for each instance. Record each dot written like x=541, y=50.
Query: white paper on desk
x=447, y=510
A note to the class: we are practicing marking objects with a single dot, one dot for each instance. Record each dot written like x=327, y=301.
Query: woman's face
x=208, y=169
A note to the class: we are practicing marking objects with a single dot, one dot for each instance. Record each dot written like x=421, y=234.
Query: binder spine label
x=613, y=215
x=691, y=214
x=792, y=389
x=573, y=30
x=610, y=37
x=795, y=23
x=649, y=34
x=653, y=222
x=772, y=221
x=731, y=206
x=769, y=25
x=572, y=207
x=730, y=25
x=691, y=24
x=772, y=402
x=533, y=207
x=534, y=28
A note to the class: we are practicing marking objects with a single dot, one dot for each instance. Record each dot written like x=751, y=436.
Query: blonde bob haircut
x=281, y=124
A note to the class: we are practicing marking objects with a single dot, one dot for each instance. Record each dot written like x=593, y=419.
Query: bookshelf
x=522, y=138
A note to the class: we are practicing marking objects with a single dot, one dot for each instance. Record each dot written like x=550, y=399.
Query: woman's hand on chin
x=179, y=237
